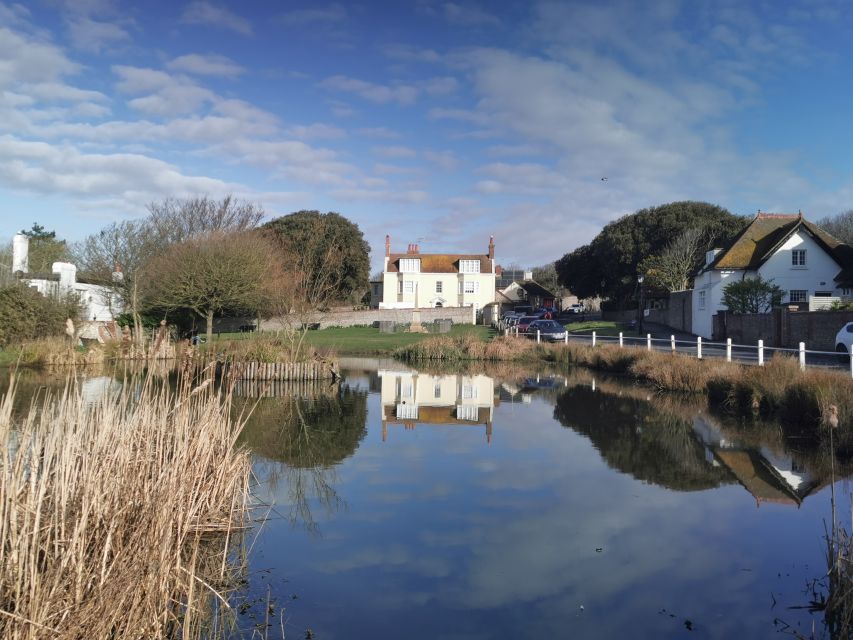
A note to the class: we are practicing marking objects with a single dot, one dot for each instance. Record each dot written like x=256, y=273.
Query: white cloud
x=315, y=131
x=57, y=91
x=378, y=132
x=410, y=53
x=27, y=60
x=395, y=151
x=468, y=14
x=167, y=94
x=94, y=35
x=206, y=65
x=378, y=93
x=446, y=160
x=441, y=86
x=206, y=13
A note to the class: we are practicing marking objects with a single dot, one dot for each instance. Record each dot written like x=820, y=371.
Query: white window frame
x=410, y=265
x=701, y=301
x=438, y=286
x=467, y=412
x=802, y=295
x=471, y=287
x=469, y=392
x=798, y=259
x=407, y=411
x=469, y=266
x=408, y=286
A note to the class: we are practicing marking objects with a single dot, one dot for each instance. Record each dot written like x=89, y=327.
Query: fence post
x=538, y=336
x=672, y=343
x=802, y=356
x=593, y=338
x=761, y=353
x=566, y=337
x=728, y=349
x=621, y=344
x=649, y=341
x=851, y=363
x=699, y=348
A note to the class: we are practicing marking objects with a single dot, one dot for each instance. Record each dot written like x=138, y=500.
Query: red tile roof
x=439, y=262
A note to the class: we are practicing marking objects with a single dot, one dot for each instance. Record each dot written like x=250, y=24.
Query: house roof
x=439, y=262
x=762, y=237
x=533, y=288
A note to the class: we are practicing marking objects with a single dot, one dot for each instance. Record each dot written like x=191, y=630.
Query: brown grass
x=117, y=518
x=57, y=352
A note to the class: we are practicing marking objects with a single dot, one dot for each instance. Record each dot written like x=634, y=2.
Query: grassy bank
x=814, y=398
x=117, y=519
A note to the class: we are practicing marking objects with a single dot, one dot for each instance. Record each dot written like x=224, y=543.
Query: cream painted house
x=415, y=280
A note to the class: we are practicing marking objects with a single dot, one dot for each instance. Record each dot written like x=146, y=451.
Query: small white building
x=99, y=303
x=802, y=259
x=415, y=280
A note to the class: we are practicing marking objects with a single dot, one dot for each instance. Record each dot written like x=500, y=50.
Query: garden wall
x=783, y=328
x=367, y=317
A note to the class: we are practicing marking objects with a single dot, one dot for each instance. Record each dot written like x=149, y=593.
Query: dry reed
x=119, y=519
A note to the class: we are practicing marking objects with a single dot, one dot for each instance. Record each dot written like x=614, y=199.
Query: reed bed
x=468, y=347
x=54, y=352
x=119, y=519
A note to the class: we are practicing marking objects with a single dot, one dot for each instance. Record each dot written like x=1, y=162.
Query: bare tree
x=672, y=268
x=117, y=255
x=176, y=220
x=841, y=226
x=214, y=274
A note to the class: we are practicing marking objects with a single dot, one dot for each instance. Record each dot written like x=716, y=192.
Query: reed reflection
x=410, y=398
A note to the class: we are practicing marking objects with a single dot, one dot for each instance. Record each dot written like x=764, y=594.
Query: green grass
x=601, y=327
x=369, y=340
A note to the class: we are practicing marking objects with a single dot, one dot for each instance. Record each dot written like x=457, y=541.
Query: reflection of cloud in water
x=395, y=556
x=96, y=389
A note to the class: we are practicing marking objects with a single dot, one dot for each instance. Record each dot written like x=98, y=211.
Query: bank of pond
x=462, y=497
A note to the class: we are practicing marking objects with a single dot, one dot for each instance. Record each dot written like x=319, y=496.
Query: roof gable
x=439, y=262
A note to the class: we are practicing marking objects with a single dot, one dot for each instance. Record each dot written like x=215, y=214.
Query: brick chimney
x=413, y=249
x=492, y=247
x=387, y=246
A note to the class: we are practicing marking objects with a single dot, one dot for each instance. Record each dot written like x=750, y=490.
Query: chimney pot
x=387, y=245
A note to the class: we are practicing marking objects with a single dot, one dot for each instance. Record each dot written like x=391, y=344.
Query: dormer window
x=410, y=265
x=469, y=266
x=798, y=258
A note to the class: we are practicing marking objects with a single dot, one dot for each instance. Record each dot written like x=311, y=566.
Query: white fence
x=756, y=354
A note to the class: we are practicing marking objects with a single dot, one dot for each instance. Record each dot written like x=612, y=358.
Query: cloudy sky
x=437, y=122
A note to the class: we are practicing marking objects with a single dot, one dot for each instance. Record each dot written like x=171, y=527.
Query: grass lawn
x=368, y=340
x=601, y=328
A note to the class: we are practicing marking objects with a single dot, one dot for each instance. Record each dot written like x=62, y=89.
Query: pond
x=511, y=504
x=507, y=503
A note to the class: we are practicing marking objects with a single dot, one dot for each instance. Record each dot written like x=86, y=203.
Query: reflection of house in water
x=410, y=398
x=768, y=475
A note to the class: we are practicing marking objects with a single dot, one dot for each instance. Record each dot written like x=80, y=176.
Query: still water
x=511, y=504
x=508, y=503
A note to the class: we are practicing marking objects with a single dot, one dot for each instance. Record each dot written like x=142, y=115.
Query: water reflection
x=410, y=398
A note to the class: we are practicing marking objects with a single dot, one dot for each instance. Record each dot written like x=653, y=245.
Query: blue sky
x=436, y=122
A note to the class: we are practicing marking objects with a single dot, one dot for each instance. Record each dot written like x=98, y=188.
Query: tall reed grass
x=119, y=519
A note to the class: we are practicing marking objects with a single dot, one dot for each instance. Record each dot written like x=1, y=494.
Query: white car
x=844, y=339
x=577, y=308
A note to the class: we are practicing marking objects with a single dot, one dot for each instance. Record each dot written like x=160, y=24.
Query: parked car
x=524, y=322
x=844, y=339
x=523, y=310
x=548, y=330
x=576, y=308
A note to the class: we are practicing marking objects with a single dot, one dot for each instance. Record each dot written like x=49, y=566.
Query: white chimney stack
x=20, y=253
x=67, y=275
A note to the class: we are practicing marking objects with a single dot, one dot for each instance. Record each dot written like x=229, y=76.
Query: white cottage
x=802, y=259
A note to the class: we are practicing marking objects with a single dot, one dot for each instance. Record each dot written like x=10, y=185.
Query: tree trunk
x=134, y=310
x=209, y=326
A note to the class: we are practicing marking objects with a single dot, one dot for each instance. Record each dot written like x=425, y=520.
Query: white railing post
x=538, y=336
x=728, y=349
x=593, y=338
x=621, y=343
x=851, y=363
x=566, y=337
x=672, y=343
x=761, y=353
x=649, y=341
x=699, y=348
x=802, y=356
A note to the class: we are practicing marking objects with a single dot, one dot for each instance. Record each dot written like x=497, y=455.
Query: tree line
x=199, y=259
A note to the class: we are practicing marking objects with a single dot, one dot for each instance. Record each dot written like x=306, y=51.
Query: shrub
x=25, y=314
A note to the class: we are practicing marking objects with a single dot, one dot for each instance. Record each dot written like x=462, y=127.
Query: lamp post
x=640, y=305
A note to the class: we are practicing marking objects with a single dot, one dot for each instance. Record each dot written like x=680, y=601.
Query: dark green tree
x=320, y=239
x=752, y=295
x=608, y=265
x=44, y=249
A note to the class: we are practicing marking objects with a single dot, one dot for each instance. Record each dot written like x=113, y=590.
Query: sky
x=439, y=123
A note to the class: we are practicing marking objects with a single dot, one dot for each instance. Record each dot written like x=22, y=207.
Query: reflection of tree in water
x=633, y=437
x=308, y=437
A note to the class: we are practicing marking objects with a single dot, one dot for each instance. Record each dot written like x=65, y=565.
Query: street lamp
x=640, y=305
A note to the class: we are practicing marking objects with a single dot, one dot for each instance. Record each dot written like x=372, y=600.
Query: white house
x=99, y=303
x=803, y=260
x=415, y=280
